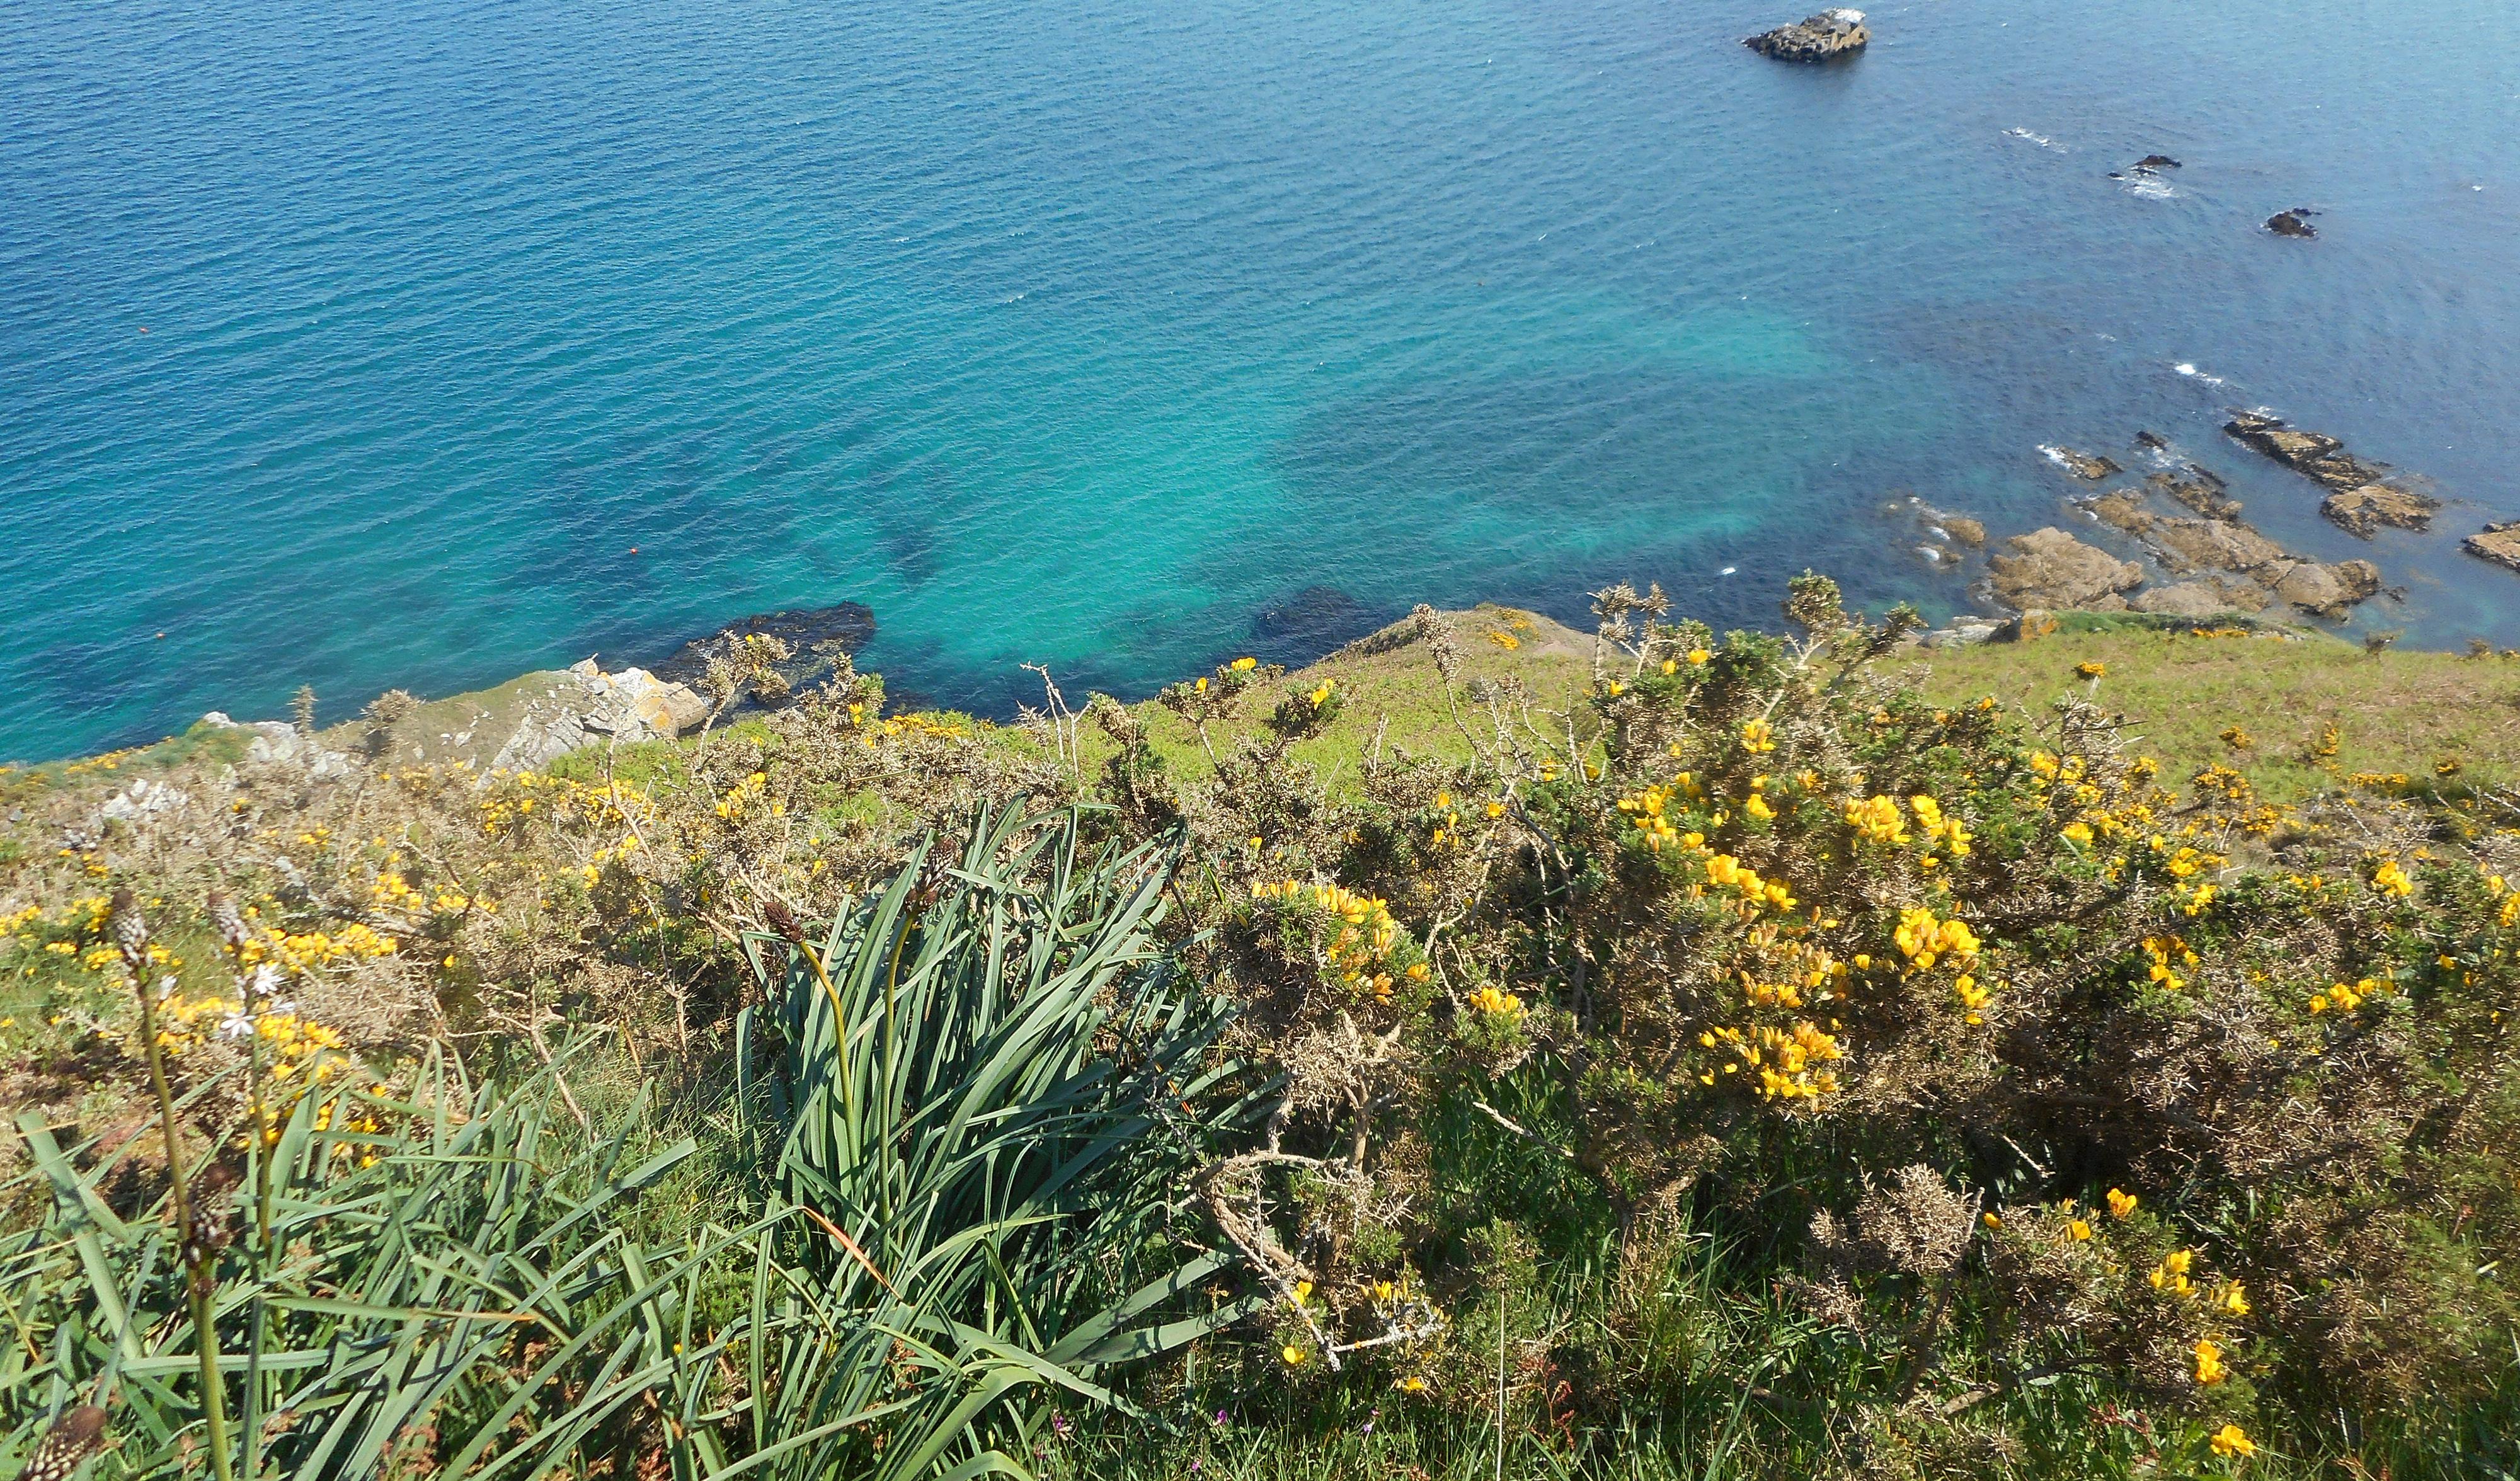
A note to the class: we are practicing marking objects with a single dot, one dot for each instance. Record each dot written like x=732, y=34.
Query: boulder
x=2029, y=627
x=2081, y=464
x=2498, y=543
x=2050, y=569
x=1966, y=532
x=1823, y=37
x=2293, y=223
x=2156, y=162
x=1964, y=632
x=2330, y=591
x=2364, y=509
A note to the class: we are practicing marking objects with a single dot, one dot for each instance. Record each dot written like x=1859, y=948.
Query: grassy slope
x=2394, y=711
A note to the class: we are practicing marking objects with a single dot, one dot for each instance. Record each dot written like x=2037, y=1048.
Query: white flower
x=237, y=1026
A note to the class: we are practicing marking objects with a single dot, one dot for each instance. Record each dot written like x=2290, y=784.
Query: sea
x=418, y=343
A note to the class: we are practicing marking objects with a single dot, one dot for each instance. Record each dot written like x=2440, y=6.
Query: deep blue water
x=359, y=343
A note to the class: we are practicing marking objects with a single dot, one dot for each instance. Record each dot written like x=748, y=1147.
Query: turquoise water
x=359, y=344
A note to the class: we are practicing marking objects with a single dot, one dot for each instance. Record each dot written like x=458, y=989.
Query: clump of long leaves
x=453, y=1278
x=985, y=1088
x=973, y=1105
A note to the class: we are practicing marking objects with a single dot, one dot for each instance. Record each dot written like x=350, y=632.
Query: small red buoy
x=161, y=635
x=634, y=550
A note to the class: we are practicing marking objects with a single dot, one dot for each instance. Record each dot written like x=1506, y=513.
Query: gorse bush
x=1733, y=1063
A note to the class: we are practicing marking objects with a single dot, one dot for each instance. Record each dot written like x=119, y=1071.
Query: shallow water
x=1095, y=334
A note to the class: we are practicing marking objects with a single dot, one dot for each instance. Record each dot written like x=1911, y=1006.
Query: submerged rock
x=2199, y=490
x=2050, y=569
x=2087, y=465
x=813, y=634
x=2293, y=223
x=1829, y=34
x=2498, y=543
x=2363, y=510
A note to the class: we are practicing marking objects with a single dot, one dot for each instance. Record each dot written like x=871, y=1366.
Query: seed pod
x=76, y=1435
x=130, y=931
x=783, y=920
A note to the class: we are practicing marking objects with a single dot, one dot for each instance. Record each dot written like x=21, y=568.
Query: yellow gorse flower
x=2208, y=1362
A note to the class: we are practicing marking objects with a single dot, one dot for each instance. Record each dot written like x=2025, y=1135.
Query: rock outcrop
x=1823, y=38
x=2363, y=501
x=2498, y=543
x=2330, y=591
x=275, y=742
x=2050, y=569
x=2293, y=223
x=2225, y=564
x=588, y=706
x=2364, y=509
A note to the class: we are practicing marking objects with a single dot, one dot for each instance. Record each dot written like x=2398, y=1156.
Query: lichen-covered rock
x=2364, y=509
x=589, y=707
x=1829, y=34
x=2048, y=568
x=2498, y=543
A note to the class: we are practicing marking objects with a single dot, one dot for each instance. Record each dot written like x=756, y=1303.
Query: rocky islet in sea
x=1824, y=37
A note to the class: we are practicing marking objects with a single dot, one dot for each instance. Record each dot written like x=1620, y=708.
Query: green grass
x=2395, y=712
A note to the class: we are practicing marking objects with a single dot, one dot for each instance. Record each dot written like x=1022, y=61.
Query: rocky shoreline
x=2186, y=550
